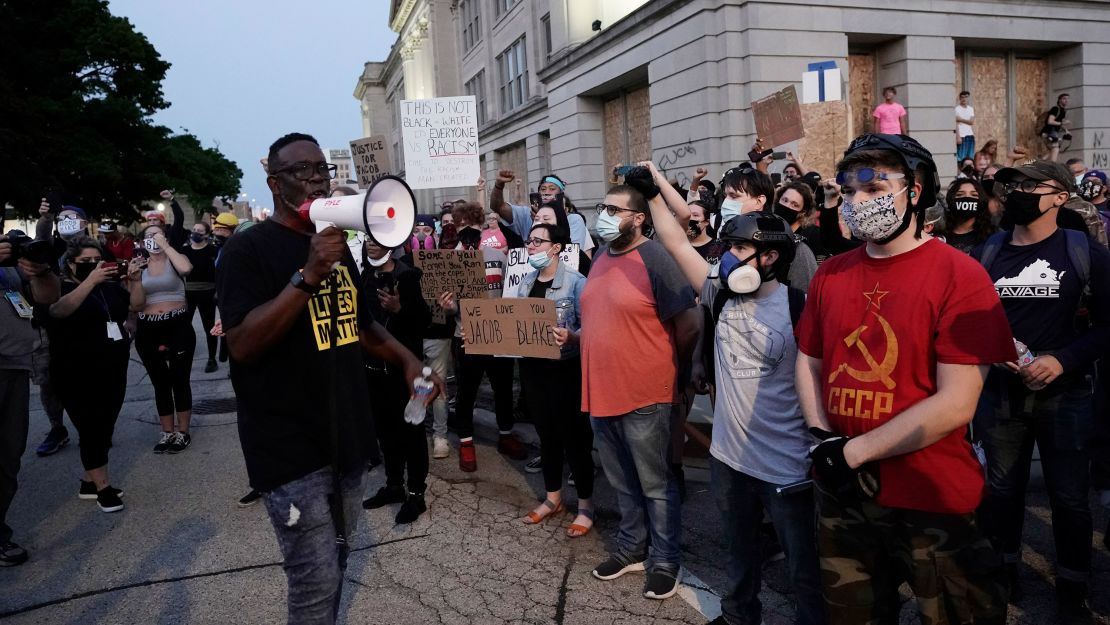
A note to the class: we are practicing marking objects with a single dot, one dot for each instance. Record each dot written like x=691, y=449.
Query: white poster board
x=516, y=267
x=440, y=137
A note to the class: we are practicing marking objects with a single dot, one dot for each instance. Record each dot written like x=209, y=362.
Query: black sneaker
x=12, y=554
x=55, y=439
x=384, y=497
x=411, y=510
x=211, y=366
x=180, y=443
x=660, y=584
x=108, y=500
x=250, y=499
x=535, y=465
x=614, y=568
x=88, y=490
x=164, y=443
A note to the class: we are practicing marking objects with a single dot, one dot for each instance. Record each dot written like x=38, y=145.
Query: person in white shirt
x=965, y=118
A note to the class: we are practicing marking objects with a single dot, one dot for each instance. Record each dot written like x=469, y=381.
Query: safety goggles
x=865, y=175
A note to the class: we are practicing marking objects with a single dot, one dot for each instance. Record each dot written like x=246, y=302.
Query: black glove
x=833, y=473
x=640, y=178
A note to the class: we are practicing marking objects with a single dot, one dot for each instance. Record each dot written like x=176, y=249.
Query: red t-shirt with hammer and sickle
x=880, y=326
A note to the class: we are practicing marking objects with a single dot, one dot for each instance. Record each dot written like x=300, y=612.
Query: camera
x=34, y=250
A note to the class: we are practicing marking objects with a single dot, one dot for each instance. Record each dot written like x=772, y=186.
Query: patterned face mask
x=873, y=220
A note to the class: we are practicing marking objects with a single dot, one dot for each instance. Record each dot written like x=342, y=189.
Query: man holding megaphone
x=297, y=325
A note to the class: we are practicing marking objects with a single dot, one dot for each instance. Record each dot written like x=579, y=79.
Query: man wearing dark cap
x=1040, y=272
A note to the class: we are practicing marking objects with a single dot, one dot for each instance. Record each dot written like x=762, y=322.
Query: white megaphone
x=386, y=212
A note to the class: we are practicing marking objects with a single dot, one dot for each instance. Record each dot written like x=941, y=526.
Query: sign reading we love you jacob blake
x=440, y=138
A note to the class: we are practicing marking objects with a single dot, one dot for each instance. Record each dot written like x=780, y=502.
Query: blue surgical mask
x=539, y=260
x=730, y=208
x=608, y=226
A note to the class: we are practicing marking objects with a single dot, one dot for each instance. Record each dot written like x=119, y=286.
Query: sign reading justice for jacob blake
x=441, y=142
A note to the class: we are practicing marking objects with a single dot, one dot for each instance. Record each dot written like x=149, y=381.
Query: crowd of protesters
x=882, y=353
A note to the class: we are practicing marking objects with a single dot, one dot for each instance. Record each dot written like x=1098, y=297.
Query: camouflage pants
x=867, y=551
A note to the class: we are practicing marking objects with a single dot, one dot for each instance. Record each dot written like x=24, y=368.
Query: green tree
x=78, y=87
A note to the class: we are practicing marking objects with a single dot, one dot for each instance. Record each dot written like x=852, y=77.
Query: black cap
x=1039, y=170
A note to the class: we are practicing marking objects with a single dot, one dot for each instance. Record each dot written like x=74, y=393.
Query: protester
x=58, y=436
x=836, y=238
x=492, y=236
x=223, y=227
x=893, y=347
x=70, y=222
x=697, y=232
x=1040, y=273
x=889, y=117
x=553, y=388
x=90, y=362
x=304, y=404
x=1093, y=189
x=398, y=306
x=965, y=132
x=1055, y=126
x=629, y=387
x=175, y=233
x=164, y=337
x=470, y=368
x=552, y=214
x=1078, y=169
x=759, y=436
x=795, y=204
x=30, y=284
x=966, y=216
x=200, y=287
x=423, y=234
x=520, y=218
x=448, y=233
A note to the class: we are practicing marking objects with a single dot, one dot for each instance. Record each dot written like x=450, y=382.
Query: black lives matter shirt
x=1040, y=291
x=284, y=425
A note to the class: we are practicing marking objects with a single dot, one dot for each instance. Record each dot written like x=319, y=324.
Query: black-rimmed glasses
x=536, y=241
x=1003, y=189
x=304, y=170
x=613, y=210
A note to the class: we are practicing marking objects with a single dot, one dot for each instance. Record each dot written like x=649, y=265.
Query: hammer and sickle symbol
x=880, y=372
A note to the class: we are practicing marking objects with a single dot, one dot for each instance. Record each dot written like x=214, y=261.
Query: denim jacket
x=568, y=284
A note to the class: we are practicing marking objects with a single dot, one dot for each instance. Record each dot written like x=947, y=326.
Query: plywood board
x=1032, y=100
x=826, y=128
x=638, y=118
x=861, y=92
x=989, y=90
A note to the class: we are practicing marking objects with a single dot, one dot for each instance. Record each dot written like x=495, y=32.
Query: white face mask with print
x=70, y=227
x=873, y=220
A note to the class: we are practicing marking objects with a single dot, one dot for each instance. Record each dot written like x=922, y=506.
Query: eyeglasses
x=613, y=210
x=1003, y=189
x=304, y=170
x=864, y=175
x=536, y=241
x=743, y=171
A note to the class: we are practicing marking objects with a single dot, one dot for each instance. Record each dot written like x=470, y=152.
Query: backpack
x=796, y=301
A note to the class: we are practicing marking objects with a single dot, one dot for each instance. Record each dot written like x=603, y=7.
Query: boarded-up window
x=861, y=91
x=515, y=157
x=627, y=128
x=1031, y=76
x=990, y=87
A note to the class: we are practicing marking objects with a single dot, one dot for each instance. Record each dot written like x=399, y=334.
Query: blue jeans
x=966, y=149
x=302, y=520
x=1009, y=420
x=633, y=449
x=742, y=500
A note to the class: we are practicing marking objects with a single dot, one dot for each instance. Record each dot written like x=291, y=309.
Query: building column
x=1083, y=72
x=922, y=70
x=537, y=168
x=577, y=148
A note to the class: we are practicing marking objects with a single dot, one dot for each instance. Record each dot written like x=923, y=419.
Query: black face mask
x=470, y=238
x=1090, y=190
x=82, y=270
x=196, y=237
x=790, y=215
x=1024, y=208
x=965, y=207
x=218, y=240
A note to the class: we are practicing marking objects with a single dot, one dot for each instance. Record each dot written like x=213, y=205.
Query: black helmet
x=766, y=231
x=914, y=155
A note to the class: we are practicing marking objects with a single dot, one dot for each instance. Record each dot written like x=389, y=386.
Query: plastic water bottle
x=563, y=313
x=1024, y=359
x=416, y=409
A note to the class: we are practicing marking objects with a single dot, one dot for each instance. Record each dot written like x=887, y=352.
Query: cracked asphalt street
x=183, y=552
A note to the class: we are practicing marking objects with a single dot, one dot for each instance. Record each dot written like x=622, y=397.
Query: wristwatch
x=298, y=282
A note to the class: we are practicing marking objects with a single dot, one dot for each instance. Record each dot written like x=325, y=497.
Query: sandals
x=577, y=531
x=533, y=518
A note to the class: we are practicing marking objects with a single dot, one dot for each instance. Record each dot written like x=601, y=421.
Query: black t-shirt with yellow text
x=283, y=397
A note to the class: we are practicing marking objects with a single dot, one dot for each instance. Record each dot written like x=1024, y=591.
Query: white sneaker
x=440, y=448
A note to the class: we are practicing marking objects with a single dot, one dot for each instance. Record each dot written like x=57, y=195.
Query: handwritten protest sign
x=370, y=160
x=778, y=118
x=441, y=142
x=516, y=267
x=509, y=326
x=462, y=272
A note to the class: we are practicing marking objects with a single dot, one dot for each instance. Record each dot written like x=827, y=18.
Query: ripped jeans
x=302, y=520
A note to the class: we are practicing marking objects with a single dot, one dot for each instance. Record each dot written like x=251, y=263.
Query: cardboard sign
x=441, y=142
x=370, y=160
x=516, y=267
x=509, y=326
x=778, y=118
x=462, y=272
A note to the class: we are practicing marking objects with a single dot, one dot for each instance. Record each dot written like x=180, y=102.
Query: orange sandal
x=533, y=518
x=577, y=531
